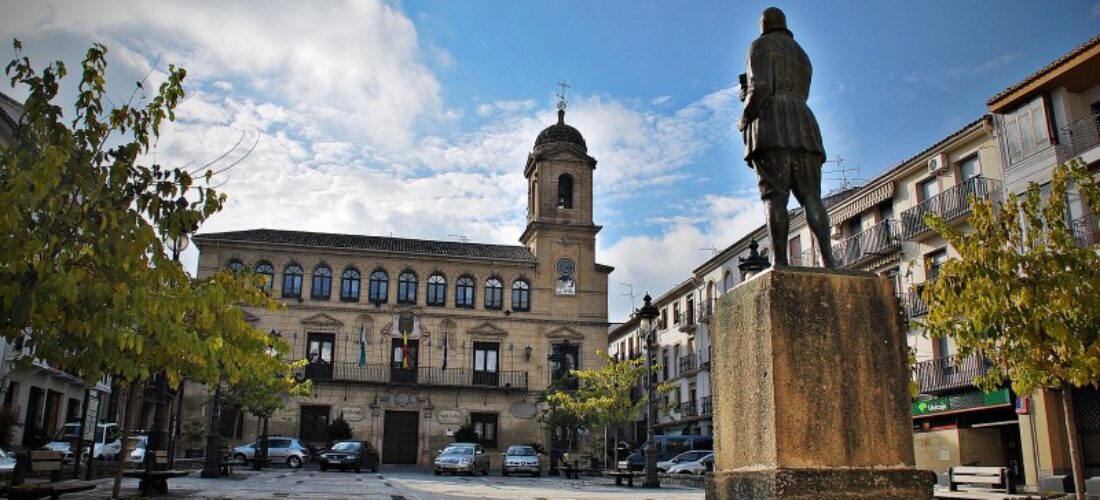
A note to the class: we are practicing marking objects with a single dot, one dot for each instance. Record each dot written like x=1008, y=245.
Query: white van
x=107, y=442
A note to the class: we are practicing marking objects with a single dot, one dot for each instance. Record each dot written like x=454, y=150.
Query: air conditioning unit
x=937, y=164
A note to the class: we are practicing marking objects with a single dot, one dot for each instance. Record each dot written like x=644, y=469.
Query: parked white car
x=687, y=456
x=695, y=467
x=107, y=441
x=137, y=449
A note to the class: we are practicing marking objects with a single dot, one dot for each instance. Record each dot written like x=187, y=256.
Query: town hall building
x=408, y=339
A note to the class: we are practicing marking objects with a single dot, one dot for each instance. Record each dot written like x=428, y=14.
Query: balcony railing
x=388, y=374
x=704, y=359
x=807, y=258
x=949, y=373
x=706, y=309
x=913, y=305
x=950, y=204
x=880, y=239
x=686, y=320
x=1082, y=135
x=688, y=409
x=708, y=406
x=687, y=363
x=1086, y=231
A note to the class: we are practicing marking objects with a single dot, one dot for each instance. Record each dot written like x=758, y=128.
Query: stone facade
x=483, y=362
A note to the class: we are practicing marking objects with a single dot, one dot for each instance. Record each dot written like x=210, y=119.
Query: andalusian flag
x=405, y=350
x=362, y=344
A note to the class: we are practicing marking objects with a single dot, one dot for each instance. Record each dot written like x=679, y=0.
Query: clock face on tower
x=565, y=268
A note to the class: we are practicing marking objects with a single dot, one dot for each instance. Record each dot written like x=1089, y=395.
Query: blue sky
x=415, y=118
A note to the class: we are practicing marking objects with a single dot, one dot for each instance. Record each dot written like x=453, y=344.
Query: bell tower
x=560, y=228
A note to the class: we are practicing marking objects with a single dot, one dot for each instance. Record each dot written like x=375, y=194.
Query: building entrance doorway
x=314, y=424
x=400, y=437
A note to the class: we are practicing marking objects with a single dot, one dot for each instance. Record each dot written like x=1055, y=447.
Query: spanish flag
x=405, y=350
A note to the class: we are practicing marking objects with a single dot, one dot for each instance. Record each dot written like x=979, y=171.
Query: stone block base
x=821, y=484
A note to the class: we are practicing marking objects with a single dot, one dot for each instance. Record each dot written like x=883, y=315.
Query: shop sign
x=449, y=417
x=931, y=406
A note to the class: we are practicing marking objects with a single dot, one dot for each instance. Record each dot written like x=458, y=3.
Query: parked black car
x=357, y=455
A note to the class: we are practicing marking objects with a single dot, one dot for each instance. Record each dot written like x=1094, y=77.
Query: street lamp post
x=646, y=315
x=158, y=435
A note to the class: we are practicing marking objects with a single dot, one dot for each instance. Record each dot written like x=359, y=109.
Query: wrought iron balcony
x=706, y=310
x=1086, y=231
x=880, y=239
x=1081, y=135
x=686, y=320
x=687, y=363
x=950, y=205
x=913, y=305
x=390, y=374
x=688, y=409
x=949, y=373
x=708, y=406
x=807, y=258
x=704, y=358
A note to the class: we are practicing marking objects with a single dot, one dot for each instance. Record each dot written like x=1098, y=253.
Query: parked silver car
x=696, y=467
x=687, y=456
x=462, y=457
x=519, y=458
x=279, y=450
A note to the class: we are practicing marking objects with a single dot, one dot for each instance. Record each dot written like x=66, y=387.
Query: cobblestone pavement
x=392, y=483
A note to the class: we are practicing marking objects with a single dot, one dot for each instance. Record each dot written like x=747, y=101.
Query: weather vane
x=564, y=86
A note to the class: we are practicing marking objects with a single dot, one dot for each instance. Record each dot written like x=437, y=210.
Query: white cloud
x=375, y=90
x=657, y=263
x=657, y=101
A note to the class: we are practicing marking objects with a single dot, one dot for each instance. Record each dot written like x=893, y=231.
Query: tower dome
x=560, y=133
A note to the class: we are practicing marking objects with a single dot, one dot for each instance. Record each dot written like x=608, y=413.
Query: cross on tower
x=564, y=86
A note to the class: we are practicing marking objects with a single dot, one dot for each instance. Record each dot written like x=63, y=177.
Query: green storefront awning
x=974, y=399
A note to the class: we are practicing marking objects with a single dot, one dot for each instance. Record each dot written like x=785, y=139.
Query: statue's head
x=773, y=19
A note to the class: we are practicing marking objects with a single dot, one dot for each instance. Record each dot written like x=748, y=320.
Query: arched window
x=565, y=191
x=494, y=298
x=267, y=273
x=322, y=283
x=292, y=281
x=349, y=285
x=406, y=288
x=521, y=296
x=379, y=287
x=464, y=292
x=437, y=290
x=235, y=266
x=729, y=280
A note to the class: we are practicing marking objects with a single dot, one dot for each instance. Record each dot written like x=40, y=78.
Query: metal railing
x=1086, y=230
x=389, y=374
x=708, y=405
x=706, y=309
x=913, y=305
x=687, y=363
x=807, y=258
x=688, y=409
x=1081, y=135
x=949, y=373
x=880, y=239
x=950, y=204
x=686, y=320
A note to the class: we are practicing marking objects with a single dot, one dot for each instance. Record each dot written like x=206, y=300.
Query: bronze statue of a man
x=782, y=138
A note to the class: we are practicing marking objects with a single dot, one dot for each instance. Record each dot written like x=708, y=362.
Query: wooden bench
x=570, y=471
x=621, y=474
x=983, y=483
x=38, y=461
x=154, y=481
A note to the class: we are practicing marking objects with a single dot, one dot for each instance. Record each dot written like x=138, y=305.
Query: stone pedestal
x=810, y=386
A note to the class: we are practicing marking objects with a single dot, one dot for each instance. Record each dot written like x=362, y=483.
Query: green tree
x=85, y=274
x=1025, y=294
x=602, y=398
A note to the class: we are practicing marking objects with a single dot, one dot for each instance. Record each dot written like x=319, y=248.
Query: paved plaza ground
x=393, y=483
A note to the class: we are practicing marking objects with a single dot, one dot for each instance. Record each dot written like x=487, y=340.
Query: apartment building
x=1050, y=117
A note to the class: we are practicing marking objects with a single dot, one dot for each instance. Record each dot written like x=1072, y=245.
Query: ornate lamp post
x=158, y=435
x=646, y=315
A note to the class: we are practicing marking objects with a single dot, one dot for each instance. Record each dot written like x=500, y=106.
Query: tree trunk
x=1074, y=445
x=120, y=459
